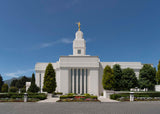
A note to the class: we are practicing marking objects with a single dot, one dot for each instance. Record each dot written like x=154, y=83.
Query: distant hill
x=10, y=80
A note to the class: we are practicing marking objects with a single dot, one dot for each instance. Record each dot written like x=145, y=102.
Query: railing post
x=131, y=96
x=25, y=97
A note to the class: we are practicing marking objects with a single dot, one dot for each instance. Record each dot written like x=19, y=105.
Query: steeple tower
x=79, y=44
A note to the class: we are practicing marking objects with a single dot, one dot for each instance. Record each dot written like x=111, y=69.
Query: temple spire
x=79, y=26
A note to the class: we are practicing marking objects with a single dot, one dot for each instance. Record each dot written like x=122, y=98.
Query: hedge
x=40, y=96
x=146, y=94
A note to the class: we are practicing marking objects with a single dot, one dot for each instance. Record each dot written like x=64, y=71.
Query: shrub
x=115, y=96
x=87, y=95
x=13, y=89
x=93, y=97
x=40, y=96
x=4, y=88
x=63, y=96
x=125, y=95
x=58, y=93
x=23, y=90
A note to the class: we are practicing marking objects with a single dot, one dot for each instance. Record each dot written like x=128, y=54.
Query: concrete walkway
x=107, y=100
x=54, y=99
x=49, y=100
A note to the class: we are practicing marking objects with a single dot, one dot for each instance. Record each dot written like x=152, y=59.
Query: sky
x=34, y=31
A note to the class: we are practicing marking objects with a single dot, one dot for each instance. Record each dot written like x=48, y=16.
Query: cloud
x=66, y=41
x=49, y=44
x=18, y=73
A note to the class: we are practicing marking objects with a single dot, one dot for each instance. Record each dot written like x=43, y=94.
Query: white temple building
x=80, y=73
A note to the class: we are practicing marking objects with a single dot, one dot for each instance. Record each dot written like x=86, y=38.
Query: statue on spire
x=79, y=26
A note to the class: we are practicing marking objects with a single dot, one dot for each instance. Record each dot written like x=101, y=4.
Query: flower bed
x=78, y=98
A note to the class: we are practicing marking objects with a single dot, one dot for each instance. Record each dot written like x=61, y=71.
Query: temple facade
x=80, y=73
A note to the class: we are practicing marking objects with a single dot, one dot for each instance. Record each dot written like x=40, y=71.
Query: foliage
x=126, y=95
x=40, y=96
x=21, y=82
x=13, y=83
x=118, y=77
x=108, y=78
x=1, y=82
x=129, y=79
x=4, y=88
x=58, y=93
x=23, y=90
x=158, y=74
x=147, y=77
x=49, y=79
x=33, y=88
x=13, y=89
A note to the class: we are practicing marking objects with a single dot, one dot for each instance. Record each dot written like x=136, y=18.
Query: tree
x=33, y=88
x=5, y=88
x=1, y=82
x=13, y=89
x=158, y=74
x=108, y=78
x=147, y=77
x=13, y=83
x=20, y=83
x=129, y=79
x=49, y=84
x=117, y=76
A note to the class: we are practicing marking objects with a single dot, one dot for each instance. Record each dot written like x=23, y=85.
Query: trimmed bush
x=4, y=88
x=63, y=96
x=23, y=90
x=58, y=93
x=40, y=96
x=125, y=95
x=13, y=89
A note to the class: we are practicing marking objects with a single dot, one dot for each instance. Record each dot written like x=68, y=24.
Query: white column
x=70, y=75
x=87, y=81
x=84, y=80
x=77, y=81
x=40, y=82
x=73, y=80
x=80, y=81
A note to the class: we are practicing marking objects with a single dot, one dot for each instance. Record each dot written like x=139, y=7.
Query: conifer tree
x=147, y=77
x=49, y=79
x=108, y=78
x=33, y=88
x=129, y=79
x=1, y=82
x=117, y=76
x=158, y=74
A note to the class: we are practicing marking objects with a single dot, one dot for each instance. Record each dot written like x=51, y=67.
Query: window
x=79, y=51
